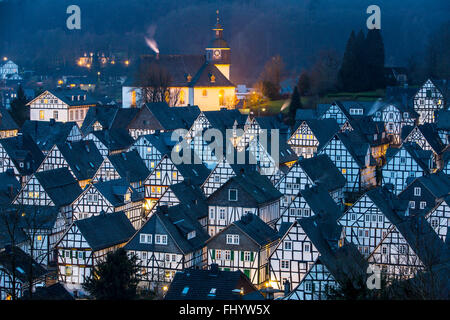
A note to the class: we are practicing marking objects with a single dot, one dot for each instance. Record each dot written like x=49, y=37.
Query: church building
x=201, y=80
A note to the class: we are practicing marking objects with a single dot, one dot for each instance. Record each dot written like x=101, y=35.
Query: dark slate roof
x=196, y=173
x=108, y=117
x=356, y=145
x=443, y=120
x=401, y=97
x=130, y=166
x=114, y=190
x=320, y=202
x=53, y=292
x=272, y=122
x=47, y=133
x=345, y=106
x=345, y=262
x=430, y=133
x=172, y=118
x=66, y=96
x=437, y=183
x=83, y=158
x=256, y=185
x=114, y=139
x=106, y=230
x=162, y=141
x=181, y=66
x=6, y=121
x=22, y=148
x=322, y=171
x=7, y=232
x=37, y=217
x=422, y=157
x=257, y=229
x=201, y=281
x=444, y=87
x=192, y=197
x=424, y=241
x=9, y=187
x=323, y=130
x=22, y=262
x=178, y=221
x=60, y=185
x=225, y=119
x=388, y=203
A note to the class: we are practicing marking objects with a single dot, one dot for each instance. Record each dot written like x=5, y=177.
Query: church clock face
x=216, y=54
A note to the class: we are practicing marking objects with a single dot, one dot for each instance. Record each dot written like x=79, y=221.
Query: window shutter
x=70, y=253
x=251, y=256
x=232, y=255
x=84, y=254
x=213, y=254
x=242, y=255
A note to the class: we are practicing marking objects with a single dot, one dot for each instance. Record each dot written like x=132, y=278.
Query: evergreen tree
x=374, y=56
x=304, y=84
x=361, y=71
x=115, y=278
x=294, y=105
x=19, y=110
x=346, y=79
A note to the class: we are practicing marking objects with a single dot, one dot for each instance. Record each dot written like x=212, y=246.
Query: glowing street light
x=127, y=62
x=5, y=58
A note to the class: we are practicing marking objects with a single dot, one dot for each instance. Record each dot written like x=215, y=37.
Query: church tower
x=218, y=52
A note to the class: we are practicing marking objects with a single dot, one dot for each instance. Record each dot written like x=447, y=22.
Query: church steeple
x=218, y=52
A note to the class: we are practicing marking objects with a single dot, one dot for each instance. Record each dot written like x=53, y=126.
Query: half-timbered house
x=15, y=269
x=8, y=127
x=406, y=163
x=125, y=165
x=439, y=218
x=309, y=136
x=107, y=117
x=82, y=158
x=245, y=245
x=317, y=170
x=153, y=147
x=46, y=134
x=430, y=97
x=247, y=192
x=367, y=222
x=86, y=243
x=56, y=188
x=61, y=105
x=295, y=254
x=410, y=246
x=352, y=156
x=111, y=141
x=21, y=154
x=107, y=197
x=426, y=192
x=170, y=241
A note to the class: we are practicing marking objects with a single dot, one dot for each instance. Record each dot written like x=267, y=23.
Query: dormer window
x=185, y=291
x=417, y=191
x=213, y=78
x=189, y=78
x=191, y=235
x=232, y=195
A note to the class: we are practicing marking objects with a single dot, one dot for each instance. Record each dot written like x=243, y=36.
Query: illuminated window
x=181, y=97
x=344, y=171
x=158, y=174
x=204, y=93
x=39, y=238
x=167, y=96
x=133, y=98
x=41, y=114
x=152, y=164
x=174, y=175
x=221, y=97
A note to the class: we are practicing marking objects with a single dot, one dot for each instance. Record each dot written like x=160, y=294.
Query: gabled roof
x=9, y=187
x=192, y=197
x=66, y=96
x=53, y=292
x=83, y=158
x=195, y=171
x=22, y=149
x=323, y=129
x=443, y=120
x=321, y=170
x=162, y=141
x=225, y=119
x=106, y=230
x=443, y=85
x=108, y=118
x=6, y=121
x=422, y=157
x=114, y=139
x=320, y=202
x=429, y=132
x=345, y=263
x=356, y=145
x=47, y=133
x=178, y=222
x=257, y=186
x=114, y=190
x=16, y=258
x=226, y=285
x=60, y=185
x=130, y=166
x=437, y=183
x=180, y=67
x=256, y=229
x=401, y=97
x=388, y=203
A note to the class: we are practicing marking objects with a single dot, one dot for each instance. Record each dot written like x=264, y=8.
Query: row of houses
x=311, y=207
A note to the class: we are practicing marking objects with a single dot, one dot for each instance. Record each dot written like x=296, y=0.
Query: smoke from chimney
x=149, y=39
